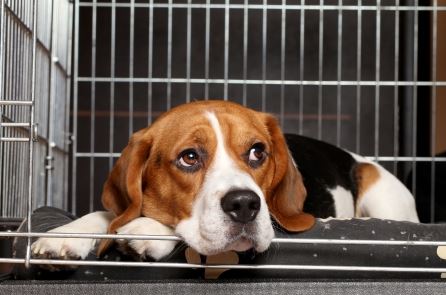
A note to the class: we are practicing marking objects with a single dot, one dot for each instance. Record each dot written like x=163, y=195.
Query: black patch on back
x=323, y=166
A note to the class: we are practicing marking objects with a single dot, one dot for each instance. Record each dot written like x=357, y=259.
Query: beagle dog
x=217, y=174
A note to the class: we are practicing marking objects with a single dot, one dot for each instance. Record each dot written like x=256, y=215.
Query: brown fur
x=366, y=175
x=146, y=182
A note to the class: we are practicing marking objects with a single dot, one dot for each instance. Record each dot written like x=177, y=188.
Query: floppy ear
x=123, y=191
x=287, y=194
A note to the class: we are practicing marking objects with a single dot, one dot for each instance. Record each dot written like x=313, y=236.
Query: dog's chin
x=240, y=245
x=234, y=238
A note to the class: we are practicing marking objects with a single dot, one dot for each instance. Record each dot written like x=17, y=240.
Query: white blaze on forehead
x=224, y=173
x=222, y=156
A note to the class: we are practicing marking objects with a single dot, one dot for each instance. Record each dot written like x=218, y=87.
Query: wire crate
x=78, y=78
x=34, y=90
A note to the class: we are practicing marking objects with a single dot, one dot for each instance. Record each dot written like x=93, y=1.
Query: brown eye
x=256, y=155
x=188, y=158
x=191, y=160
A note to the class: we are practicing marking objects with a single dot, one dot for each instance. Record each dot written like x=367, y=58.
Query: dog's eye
x=256, y=155
x=188, y=158
x=191, y=160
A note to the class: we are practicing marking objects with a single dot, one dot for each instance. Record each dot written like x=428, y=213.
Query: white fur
x=93, y=223
x=97, y=223
x=387, y=198
x=208, y=230
x=156, y=249
x=343, y=200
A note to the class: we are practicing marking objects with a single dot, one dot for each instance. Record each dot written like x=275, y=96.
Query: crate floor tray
x=332, y=249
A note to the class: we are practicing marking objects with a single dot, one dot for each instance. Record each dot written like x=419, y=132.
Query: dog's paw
x=63, y=248
x=155, y=249
x=72, y=248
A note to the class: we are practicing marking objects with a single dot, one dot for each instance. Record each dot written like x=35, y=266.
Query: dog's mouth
x=240, y=244
x=237, y=238
x=241, y=239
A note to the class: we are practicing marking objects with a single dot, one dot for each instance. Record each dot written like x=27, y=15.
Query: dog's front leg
x=73, y=248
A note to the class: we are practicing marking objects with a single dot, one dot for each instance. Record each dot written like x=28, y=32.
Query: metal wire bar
x=68, y=135
x=377, y=77
x=112, y=84
x=433, y=108
x=150, y=69
x=264, y=53
x=260, y=82
x=274, y=240
x=93, y=104
x=188, y=50
x=31, y=139
x=15, y=102
x=396, y=67
x=2, y=124
x=245, y=52
x=415, y=101
x=75, y=110
x=14, y=139
x=206, y=54
x=301, y=67
x=51, y=106
x=88, y=235
x=169, y=55
x=282, y=63
x=320, y=71
x=379, y=159
x=131, y=64
x=14, y=70
x=229, y=266
x=226, y=52
x=36, y=137
x=339, y=78
x=271, y=6
x=2, y=45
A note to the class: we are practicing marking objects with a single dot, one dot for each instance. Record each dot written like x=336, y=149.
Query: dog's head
x=214, y=171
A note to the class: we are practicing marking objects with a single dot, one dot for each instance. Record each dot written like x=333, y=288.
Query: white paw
x=63, y=248
x=146, y=226
x=73, y=248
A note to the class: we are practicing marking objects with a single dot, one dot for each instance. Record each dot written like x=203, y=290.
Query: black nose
x=242, y=206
